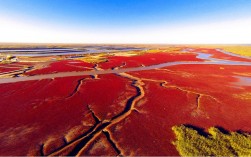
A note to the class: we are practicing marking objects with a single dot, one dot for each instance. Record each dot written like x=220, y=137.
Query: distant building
x=9, y=57
x=14, y=59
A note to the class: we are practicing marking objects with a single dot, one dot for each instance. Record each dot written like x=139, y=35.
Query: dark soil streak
x=88, y=133
x=108, y=136
x=76, y=88
x=96, y=68
x=129, y=102
x=42, y=150
x=198, y=101
x=82, y=142
x=24, y=71
x=97, y=120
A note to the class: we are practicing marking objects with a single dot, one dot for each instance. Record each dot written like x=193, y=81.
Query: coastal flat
x=118, y=99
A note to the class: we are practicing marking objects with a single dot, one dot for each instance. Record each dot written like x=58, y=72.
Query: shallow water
x=54, y=52
x=34, y=50
x=203, y=56
x=122, y=70
x=243, y=81
x=207, y=57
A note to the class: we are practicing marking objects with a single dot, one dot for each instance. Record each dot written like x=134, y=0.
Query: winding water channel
x=207, y=57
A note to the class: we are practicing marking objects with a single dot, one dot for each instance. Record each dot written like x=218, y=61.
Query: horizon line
x=91, y=43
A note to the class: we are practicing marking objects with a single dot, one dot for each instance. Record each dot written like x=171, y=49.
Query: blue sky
x=124, y=21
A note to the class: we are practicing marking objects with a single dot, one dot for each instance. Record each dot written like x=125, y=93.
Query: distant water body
x=208, y=60
x=56, y=51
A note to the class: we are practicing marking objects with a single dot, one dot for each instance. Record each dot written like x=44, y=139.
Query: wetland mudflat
x=123, y=101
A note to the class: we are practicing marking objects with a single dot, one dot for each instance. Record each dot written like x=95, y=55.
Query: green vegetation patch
x=241, y=50
x=129, y=53
x=191, y=142
x=171, y=49
x=94, y=58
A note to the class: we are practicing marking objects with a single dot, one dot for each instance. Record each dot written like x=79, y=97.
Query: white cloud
x=237, y=31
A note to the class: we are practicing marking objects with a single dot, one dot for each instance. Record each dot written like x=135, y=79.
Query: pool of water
x=243, y=81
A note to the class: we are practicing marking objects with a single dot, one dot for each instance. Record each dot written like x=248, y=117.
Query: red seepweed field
x=121, y=102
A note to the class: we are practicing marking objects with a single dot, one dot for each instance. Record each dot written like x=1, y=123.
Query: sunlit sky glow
x=126, y=21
